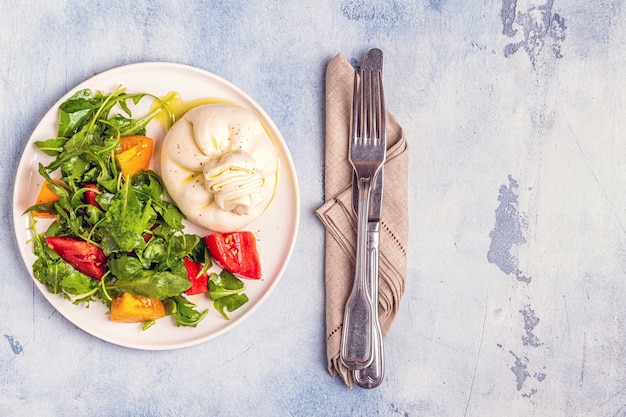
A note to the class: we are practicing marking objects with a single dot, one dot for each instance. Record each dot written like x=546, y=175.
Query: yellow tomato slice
x=46, y=195
x=129, y=308
x=135, y=154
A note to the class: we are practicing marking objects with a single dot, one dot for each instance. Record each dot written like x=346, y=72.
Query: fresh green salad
x=114, y=237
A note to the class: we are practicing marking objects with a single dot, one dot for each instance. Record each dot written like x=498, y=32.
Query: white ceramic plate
x=276, y=229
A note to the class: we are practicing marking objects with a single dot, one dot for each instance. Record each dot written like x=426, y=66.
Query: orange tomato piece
x=129, y=308
x=46, y=195
x=135, y=154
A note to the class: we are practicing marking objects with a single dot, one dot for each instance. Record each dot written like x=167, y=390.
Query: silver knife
x=372, y=376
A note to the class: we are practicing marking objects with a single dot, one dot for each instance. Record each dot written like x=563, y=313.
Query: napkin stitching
x=394, y=237
x=335, y=330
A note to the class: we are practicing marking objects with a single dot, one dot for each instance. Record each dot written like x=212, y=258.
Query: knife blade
x=372, y=376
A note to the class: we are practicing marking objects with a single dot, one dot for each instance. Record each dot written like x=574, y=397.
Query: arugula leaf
x=149, y=187
x=75, y=112
x=78, y=283
x=73, y=168
x=155, y=252
x=92, y=215
x=224, y=285
x=171, y=215
x=184, y=311
x=125, y=221
x=230, y=303
x=153, y=284
x=227, y=292
x=124, y=266
x=179, y=246
x=51, y=273
x=147, y=324
x=52, y=147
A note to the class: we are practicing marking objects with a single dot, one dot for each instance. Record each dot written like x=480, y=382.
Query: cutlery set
x=362, y=341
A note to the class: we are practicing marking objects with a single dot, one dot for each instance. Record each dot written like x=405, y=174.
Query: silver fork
x=367, y=155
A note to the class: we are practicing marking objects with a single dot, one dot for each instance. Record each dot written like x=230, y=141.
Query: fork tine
x=356, y=110
x=378, y=111
x=373, y=107
x=363, y=103
x=380, y=107
x=365, y=108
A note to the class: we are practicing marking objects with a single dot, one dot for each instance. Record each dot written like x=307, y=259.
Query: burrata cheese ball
x=220, y=166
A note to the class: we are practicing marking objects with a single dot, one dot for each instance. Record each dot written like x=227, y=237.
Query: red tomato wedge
x=199, y=283
x=90, y=196
x=85, y=257
x=235, y=252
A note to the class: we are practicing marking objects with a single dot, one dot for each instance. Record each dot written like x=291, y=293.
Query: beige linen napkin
x=340, y=220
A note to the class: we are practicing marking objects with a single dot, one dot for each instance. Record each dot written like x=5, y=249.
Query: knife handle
x=372, y=376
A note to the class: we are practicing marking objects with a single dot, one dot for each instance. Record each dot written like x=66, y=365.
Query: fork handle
x=356, y=340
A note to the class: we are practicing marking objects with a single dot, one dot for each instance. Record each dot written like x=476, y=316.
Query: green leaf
x=73, y=169
x=51, y=273
x=124, y=266
x=178, y=268
x=171, y=215
x=155, y=251
x=224, y=285
x=105, y=199
x=230, y=303
x=78, y=283
x=128, y=126
x=53, y=146
x=159, y=285
x=76, y=111
x=149, y=186
x=200, y=254
x=227, y=292
x=92, y=215
x=126, y=220
x=147, y=324
x=184, y=311
x=180, y=246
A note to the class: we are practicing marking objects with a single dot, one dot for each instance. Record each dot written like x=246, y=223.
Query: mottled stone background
x=514, y=111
